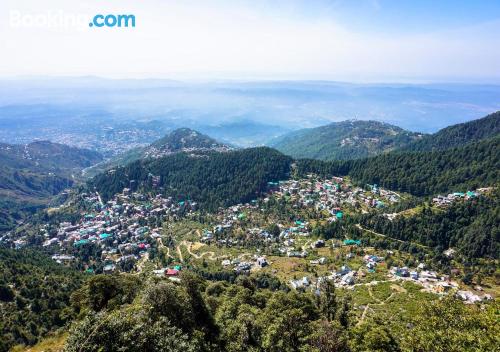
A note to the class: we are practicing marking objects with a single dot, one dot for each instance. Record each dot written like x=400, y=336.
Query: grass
x=49, y=344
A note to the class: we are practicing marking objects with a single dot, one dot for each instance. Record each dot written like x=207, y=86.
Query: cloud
x=238, y=39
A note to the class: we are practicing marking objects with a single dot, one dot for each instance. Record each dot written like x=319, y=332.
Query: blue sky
x=356, y=40
x=404, y=16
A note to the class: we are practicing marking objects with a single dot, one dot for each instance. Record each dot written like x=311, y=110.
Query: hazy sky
x=350, y=40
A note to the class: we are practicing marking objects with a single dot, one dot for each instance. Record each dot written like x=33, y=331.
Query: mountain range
x=368, y=151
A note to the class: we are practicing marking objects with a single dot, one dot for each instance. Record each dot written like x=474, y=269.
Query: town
x=273, y=234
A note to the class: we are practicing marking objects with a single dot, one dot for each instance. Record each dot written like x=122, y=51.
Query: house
x=159, y=272
x=348, y=279
x=262, y=262
x=318, y=244
x=449, y=253
x=344, y=270
x=428, y=275
x=109, y=268
x=171, y=272
x=302, y=283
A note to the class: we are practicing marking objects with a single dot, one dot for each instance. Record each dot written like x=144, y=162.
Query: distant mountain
x=459, y=135
x=184, y=140
x=180, y=140
x=212, y=179
x=30, y=174
x=472, y=166
x=344, y=140
x=48, y=156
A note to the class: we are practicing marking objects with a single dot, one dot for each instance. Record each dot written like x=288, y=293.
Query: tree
x=328, y=300
x=450, y=326
x=127, y=330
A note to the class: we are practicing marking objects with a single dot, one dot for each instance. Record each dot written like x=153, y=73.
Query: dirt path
x=391, y=238
x=210, y=255
x=161, y=245
x=142, y=261
x=179, y=254
x=396, y=289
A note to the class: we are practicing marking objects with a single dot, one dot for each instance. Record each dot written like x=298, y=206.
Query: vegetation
x=422, y=173
x=196, y=315
x=344, y=140
x=34, y=296
x=176, y=141
x=459, y=135
x=31, y=174
x=212, y=179
x=471, y=227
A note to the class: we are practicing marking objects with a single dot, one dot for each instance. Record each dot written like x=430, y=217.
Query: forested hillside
x=344, y=140
x=126, y=314
x=471, y=227
x=31, y=174
x=213, y=179
x=420, y=173
x=458, y=135
x=34, y=296
x=179, y=140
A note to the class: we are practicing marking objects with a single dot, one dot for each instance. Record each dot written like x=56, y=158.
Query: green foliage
x=214, y=179
x=449, y=326
x=459, y=135
x=344, y=140
x=470, y=226
x=175, y=141
x=106, y=292
x=127, y=330
x=217, y=317
x=31, y=174
x=423, y=173
x=34, y=296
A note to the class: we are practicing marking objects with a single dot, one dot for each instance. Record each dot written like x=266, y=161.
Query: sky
x=343, y=40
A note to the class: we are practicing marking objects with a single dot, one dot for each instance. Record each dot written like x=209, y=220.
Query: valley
x=384, y=238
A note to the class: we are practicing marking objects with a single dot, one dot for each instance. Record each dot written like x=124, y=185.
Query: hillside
x=344, y=140
x=34, y=296
x=47, y=156
x=458, y=135
x=421, y=173
x=213, y=179
x=469, y=227
x=179, y=140
x=31, y=174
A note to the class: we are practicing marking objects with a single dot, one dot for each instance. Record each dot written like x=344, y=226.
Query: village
x=244, y=238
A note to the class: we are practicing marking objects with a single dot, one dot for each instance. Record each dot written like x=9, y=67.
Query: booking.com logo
x=61, y=20
x=112, y=21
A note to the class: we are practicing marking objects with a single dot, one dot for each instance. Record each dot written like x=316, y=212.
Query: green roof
x=352, y=242
x=80, y=242
x=103, y=236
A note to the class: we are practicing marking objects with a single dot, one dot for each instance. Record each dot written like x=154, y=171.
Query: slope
x=213, y=179
x=179, y=140
x=458, y=135
x=421, y=173
x=344, y=140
